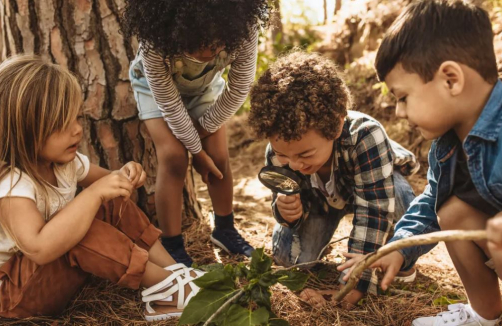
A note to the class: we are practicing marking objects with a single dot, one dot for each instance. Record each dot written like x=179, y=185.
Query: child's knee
x=222, y=163
x=455, y=214
x=449, y=215
x=172, y=162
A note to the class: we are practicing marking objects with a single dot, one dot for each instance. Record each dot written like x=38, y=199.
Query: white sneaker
x=457, y=314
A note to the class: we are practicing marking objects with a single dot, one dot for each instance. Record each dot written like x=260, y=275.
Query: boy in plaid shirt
x=300, y=104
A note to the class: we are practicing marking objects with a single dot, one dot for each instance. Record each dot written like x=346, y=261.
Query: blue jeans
x=306, y=244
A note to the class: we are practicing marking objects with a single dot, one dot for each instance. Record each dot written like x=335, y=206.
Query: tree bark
x=83, y=35
x=276, y=32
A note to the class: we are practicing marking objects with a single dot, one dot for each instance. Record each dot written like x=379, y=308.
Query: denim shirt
x=483, y=148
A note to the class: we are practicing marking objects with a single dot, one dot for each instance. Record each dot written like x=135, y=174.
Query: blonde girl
x=50, y=239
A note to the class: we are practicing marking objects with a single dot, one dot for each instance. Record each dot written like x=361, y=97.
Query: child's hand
x=204, y=165
x=390, y=265
x=290, y=207
x=112, y=186
x=135, y=173
x=203, y=133
x=319, y=299
x=350, y=263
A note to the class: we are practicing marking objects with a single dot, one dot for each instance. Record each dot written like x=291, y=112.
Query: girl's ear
x=451, y=76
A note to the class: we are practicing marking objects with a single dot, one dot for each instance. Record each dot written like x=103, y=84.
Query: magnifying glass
x=283, y=180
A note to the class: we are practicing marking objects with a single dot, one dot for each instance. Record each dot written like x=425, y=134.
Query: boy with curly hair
x=176, y=76
x=439, y=62
x=300, y=104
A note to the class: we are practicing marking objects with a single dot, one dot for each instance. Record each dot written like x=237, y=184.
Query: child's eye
x=402, y=99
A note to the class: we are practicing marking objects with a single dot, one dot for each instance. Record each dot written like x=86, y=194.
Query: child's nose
x=77, y=128
x=401, y=112
x=295, y=165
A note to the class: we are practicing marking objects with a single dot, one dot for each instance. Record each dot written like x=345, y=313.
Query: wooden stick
x=417, y=240
x=224, y=306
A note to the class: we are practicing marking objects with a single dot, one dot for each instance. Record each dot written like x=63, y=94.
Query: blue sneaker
x=231, y=241
x=176, y=248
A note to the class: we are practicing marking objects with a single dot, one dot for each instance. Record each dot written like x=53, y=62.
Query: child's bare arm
x=95, y=173
x=44, y=242
x=494, y=229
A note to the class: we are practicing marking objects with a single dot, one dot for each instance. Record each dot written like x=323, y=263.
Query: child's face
x=206, y=55
x=426, y=106
x=61, y=146
x=306, y=155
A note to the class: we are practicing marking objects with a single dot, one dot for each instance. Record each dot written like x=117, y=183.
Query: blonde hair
x=37, y=99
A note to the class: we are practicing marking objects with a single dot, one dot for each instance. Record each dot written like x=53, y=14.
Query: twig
x=224, y=306
x=417, y=240
x=318, y=261
x=324, y=262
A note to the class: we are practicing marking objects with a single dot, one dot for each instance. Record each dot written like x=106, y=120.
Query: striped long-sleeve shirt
x=240, y=78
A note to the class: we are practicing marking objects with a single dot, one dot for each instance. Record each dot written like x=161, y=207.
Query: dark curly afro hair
x=299, y=92
x=173, y=27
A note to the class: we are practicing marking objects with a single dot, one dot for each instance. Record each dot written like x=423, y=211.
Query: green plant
x=240, y=295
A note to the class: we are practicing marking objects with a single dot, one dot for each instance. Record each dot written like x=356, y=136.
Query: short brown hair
x=299, y=92
x=430, y=32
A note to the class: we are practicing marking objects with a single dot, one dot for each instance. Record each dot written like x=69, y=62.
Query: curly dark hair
x=299, y=92
x=172, y=27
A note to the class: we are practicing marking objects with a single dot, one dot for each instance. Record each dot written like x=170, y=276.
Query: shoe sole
x=221, y=245
x=162, y=317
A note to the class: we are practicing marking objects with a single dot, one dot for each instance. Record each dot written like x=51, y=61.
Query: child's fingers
x=285, y=199
x=390, y=273
x=215, y=171
x=350, y=255
x=141, y=180
x=347, y=264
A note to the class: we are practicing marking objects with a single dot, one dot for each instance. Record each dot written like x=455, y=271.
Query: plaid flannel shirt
x=366, y=158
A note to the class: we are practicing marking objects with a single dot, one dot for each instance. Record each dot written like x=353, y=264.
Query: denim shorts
x=196, y=103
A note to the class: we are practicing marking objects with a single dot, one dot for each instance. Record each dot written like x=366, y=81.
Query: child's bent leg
x=172, y=160
x=108, y=253
x=28, y=289
x=469, y=258
x=130, y=219
x=220, y=190
x=292, y=247
x=172, y=166
x=404, y=195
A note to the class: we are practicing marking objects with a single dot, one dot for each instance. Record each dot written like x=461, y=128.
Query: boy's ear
x=452, y=77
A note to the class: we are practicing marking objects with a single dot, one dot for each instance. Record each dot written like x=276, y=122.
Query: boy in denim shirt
x=438, y=61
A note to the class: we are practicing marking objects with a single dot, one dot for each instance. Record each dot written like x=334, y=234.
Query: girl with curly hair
x=176, y=76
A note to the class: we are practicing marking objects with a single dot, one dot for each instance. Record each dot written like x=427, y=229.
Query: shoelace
x=459, y=310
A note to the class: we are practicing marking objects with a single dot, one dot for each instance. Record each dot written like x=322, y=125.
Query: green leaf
x=212, y=267
x=268, y=279
x=203, y=305
x=443, y=301
x=261, y=295
x=216, y=280
x=260, y=263
x=277, y=322
x=239, y=316
x=293, y=280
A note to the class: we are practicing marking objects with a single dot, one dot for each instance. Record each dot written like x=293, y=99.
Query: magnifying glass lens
x=279, y=182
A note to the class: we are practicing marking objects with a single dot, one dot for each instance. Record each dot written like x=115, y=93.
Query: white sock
x=483, y=321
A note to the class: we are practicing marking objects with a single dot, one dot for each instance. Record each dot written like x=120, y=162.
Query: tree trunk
x=276, y=32
x=83, y=35
x=338, y=6
x=325, y=7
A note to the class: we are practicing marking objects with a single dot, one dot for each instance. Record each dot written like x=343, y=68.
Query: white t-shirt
x=67, y=176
